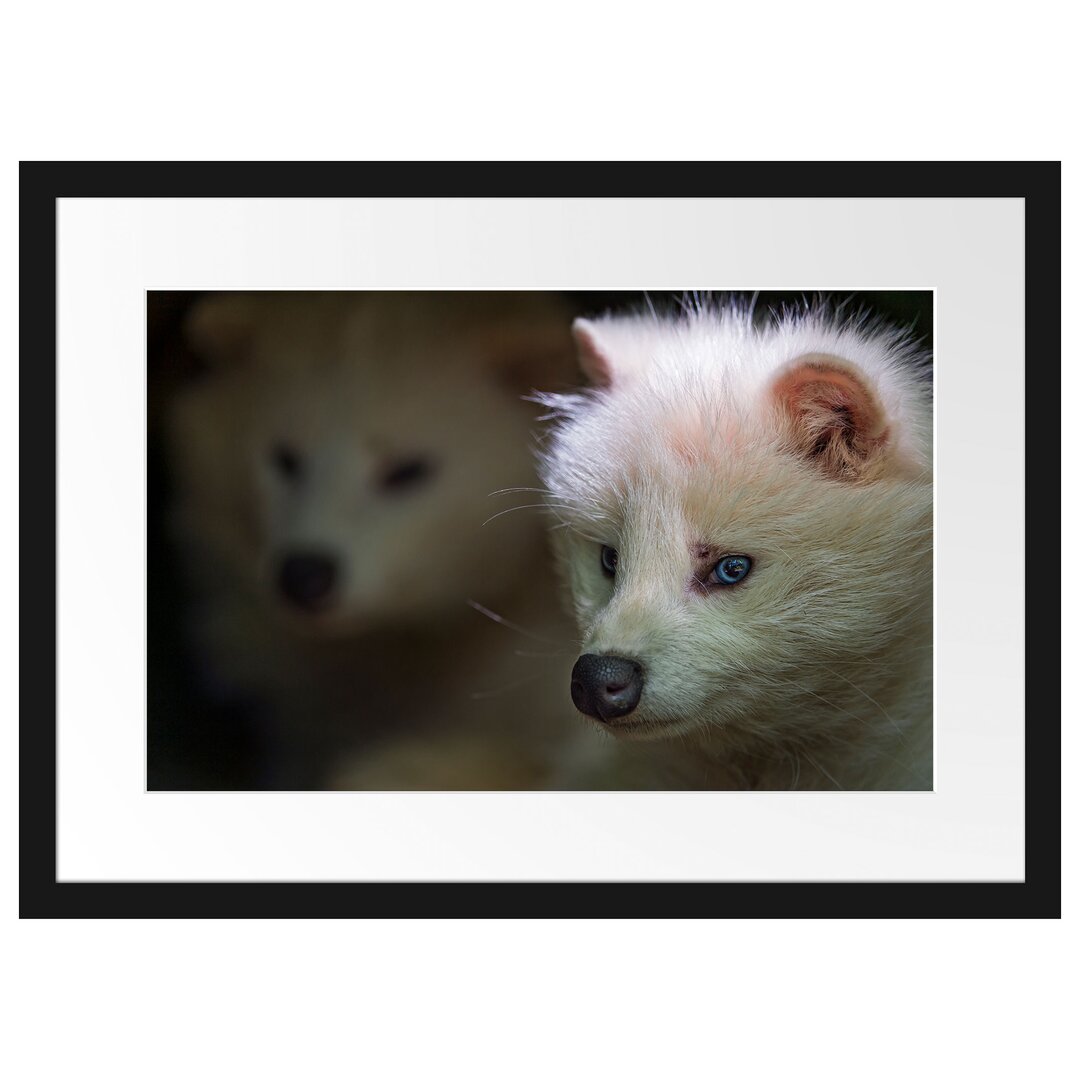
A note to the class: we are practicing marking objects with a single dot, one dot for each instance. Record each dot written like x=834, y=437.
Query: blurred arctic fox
x=333, y=470
x=746, y=535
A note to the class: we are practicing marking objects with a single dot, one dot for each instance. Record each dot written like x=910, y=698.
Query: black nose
x=606, y=686
x=306, y=579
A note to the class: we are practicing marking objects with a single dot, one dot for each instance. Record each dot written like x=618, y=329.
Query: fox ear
x=613, y=352
x=593, y=357
x=831, y=417
x=219, y=328
x=524, y=357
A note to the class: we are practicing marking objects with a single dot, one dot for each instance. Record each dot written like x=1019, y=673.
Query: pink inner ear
x=595, y=363
x=525, y=356
x=832, y=416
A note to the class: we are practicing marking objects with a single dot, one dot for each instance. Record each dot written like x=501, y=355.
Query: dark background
x=197, y=744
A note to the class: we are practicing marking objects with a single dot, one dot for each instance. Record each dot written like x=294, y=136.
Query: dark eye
x=609, y=560
x=407, y=473
x=286, y=461
x=731, y=569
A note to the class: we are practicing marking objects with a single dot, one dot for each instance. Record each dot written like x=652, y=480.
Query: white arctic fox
x=331, y=477
x=747, y=538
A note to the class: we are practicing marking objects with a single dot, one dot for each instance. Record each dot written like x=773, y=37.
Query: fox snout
x=306, y=579
x=606, y=687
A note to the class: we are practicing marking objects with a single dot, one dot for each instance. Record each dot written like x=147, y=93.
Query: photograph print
x=451, y=541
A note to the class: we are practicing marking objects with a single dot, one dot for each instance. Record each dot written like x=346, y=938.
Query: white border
x=110, y=251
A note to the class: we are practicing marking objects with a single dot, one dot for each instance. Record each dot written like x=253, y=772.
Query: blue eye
x=609, y=560
x=731, y=569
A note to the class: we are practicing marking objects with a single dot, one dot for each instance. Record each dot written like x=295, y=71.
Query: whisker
x=507, y=623
x=823, y=772
x=896, y=727
x=527, y=506
x=831, y=704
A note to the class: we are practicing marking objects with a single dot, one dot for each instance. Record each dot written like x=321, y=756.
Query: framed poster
x=143, y=796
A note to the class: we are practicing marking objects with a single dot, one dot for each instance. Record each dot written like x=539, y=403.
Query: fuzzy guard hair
x=805, y=444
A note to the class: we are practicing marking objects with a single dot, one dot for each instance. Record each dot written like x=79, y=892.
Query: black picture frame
x=42, y=183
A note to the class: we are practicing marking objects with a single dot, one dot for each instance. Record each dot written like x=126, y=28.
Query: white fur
x=354, y=382
x=815, y=670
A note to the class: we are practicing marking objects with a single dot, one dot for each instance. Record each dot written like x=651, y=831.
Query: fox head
x=339, y=452
x=743, y=520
